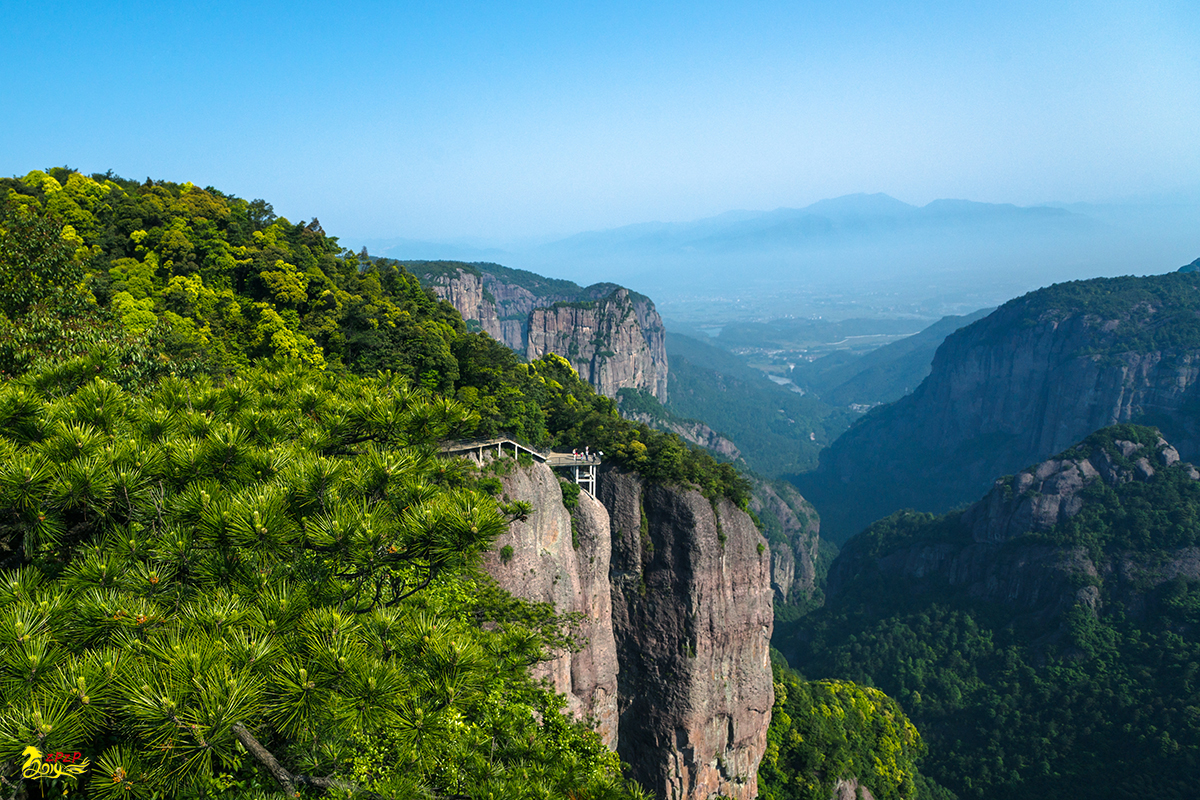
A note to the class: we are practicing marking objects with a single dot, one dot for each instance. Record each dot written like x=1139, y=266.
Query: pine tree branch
x=286, y=779
x=265, y=758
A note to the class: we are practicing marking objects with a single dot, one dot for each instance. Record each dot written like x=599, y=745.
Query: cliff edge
x=693, y=619
x=674, y=593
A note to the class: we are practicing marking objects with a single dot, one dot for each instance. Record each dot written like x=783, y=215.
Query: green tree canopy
x=279, y=561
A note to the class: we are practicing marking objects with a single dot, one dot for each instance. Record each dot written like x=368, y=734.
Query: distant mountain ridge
x=1040, y=372
x=820, y=223
x=856, y=255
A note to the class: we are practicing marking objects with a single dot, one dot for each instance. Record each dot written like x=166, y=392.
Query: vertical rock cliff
x=793, y=530
x=546, y=567
x=986, y=551
x=614, y=338
x=613, y=343
x=676, y=597
x=692, y=617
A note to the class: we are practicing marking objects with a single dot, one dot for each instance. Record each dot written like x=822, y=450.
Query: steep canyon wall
x=1038, y=374
x=676, y=596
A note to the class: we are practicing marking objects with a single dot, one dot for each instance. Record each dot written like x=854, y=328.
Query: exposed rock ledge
x=691, y=431
x=1035, y=579
x=546, y=567
x=1038, y=498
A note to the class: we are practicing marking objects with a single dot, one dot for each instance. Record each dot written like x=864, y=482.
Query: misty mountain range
x=840, y=221
x=845, y=219
x=949, y=256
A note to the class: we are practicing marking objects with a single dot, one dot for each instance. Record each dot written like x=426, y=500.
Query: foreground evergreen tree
x=223, y=588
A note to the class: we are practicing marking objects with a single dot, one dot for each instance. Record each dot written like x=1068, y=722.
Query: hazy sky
x=500, y=120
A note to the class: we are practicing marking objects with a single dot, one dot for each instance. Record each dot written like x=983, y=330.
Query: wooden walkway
x=583, y=470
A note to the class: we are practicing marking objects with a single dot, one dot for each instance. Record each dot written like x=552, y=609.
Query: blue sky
x=496, y=121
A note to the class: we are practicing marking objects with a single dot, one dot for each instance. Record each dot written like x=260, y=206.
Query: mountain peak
x=860, y=204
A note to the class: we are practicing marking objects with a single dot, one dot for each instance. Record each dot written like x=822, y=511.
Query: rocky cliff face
x=692, y=617
x=1040, y=497
x=544, y=566
x=676, y=599
x=1036, y=375
x=615, y=339
x=613, y=343
x=692, y=431
x=793, y=529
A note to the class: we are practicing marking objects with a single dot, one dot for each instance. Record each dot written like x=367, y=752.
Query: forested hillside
x=210, y=283
x=223, y=550
x=778, y=431
x=1043, y=640
x=201, y=575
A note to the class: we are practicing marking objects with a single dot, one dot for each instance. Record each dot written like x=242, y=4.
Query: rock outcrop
x=1036, y=375
x=690, y=430
x=851, y=790
x=1040, y=497
x=692, y=617
x=675, y=595
x=543, y=565
x=613, y=343
x=614, y=338
x=793, y=530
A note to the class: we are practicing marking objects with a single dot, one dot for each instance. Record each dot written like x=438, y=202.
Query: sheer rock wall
x=676, y=672
x=693, y=620
x=615, y=339
x=546, y=567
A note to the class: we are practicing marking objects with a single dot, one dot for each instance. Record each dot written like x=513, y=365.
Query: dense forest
x=1077, y=676
x=232, y=564
x=213, y=283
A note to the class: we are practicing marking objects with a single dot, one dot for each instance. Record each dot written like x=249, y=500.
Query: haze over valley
x=857, y=255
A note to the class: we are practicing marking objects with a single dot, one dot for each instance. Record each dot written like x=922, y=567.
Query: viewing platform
x=583, y=468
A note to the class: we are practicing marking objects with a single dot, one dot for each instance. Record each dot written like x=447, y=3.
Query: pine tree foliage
x=282, y=552
x=178, y=279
